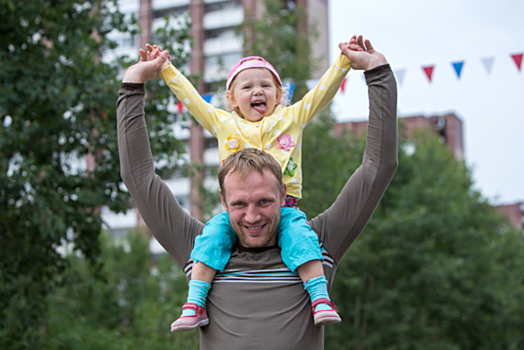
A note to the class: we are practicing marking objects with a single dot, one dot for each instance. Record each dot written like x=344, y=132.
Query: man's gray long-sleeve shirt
x=257, y=302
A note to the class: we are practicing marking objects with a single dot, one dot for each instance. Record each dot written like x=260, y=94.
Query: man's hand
x=145, y=69
x=361, y=53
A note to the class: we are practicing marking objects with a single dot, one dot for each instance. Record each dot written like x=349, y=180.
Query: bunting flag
x=429, y=72
x=517, y=58
x=208, y=97
x=180, y=107
x=399, y=74
x=343, y=85
x=458, y=67
x=289, y=89
x=488, y=63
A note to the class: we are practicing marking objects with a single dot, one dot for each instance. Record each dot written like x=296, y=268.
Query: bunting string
x=458, y=67
x=400, y=73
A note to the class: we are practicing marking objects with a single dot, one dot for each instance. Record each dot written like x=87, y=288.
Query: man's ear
x=223, y=199
x=284, y=191
x=231, y=98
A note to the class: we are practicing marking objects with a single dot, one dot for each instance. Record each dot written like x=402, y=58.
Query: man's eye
x=264, y=201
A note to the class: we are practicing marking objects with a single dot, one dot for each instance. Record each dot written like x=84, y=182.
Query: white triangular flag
x=399, y=74
x=488, y=63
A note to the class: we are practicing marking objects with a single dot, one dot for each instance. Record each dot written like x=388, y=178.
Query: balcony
x=228, y=17
x=164, y=4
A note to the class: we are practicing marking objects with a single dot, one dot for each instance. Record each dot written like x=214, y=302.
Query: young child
x=254, y=91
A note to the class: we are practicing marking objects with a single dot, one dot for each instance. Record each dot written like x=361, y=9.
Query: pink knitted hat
x=259, y=63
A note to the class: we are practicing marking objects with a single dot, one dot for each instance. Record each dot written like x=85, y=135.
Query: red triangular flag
x=429, y=71
x=180, y=107
x=343, y=85
x=518, y=59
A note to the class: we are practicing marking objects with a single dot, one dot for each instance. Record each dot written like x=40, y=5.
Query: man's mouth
x=254, y=229
x=259, y=106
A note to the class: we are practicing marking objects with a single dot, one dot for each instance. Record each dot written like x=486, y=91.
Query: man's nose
x=252, y=214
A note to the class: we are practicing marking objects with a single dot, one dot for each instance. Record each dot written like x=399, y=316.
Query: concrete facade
x=514, y=212
x=448, y=126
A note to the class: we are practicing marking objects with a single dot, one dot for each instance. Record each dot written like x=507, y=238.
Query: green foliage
x=280, y=36
x=435, y=268
x=57, y=111
x=125, y=305
x=328, y=161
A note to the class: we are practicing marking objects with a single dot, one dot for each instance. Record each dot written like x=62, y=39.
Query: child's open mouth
x=259, y=106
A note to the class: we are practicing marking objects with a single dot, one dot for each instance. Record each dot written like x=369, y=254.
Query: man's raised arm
x=170, y=224
x=340, y=225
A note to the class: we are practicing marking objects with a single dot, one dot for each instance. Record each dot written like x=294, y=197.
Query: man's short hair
x=246, y=160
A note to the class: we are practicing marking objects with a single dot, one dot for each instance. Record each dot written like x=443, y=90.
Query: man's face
x=254, y=207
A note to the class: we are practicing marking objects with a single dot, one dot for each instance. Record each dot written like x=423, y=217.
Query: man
x=257, y=302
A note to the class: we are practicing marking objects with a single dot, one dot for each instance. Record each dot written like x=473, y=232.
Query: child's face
x=255, y=93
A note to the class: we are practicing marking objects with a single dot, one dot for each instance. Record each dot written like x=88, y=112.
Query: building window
x=227, y=59
x=224, y=5
x=171, y=12
x=210, y=143
x=229, y=32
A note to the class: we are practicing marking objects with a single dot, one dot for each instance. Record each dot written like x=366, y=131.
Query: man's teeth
x=254, y=227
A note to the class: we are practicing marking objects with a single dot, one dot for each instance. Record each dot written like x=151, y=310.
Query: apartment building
x=214, y=26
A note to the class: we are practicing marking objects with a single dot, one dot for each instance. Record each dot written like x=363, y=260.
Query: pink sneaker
x=187, y=323
x=325, y=317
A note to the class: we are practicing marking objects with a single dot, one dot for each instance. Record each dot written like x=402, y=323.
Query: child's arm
x=322, y=94
x=204, y=112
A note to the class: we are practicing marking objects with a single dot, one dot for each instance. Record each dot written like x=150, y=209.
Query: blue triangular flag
x=208, y=97
x=458, y=67
x=289, y=89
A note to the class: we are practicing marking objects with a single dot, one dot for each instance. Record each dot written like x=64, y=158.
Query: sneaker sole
x=188, y=328
x=327, y=320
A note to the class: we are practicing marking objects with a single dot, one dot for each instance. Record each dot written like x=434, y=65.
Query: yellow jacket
x=280, y=134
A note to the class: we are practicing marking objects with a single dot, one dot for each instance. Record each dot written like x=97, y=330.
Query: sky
x=416, y=33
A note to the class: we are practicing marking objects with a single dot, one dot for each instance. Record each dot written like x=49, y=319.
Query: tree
x=57, y=108
x=435, y=268
x=280, y=36
x=125, y=305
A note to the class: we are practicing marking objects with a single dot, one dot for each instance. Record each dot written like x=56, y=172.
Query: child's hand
x=153, y=52
x=145, y=69
x=361, y=53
